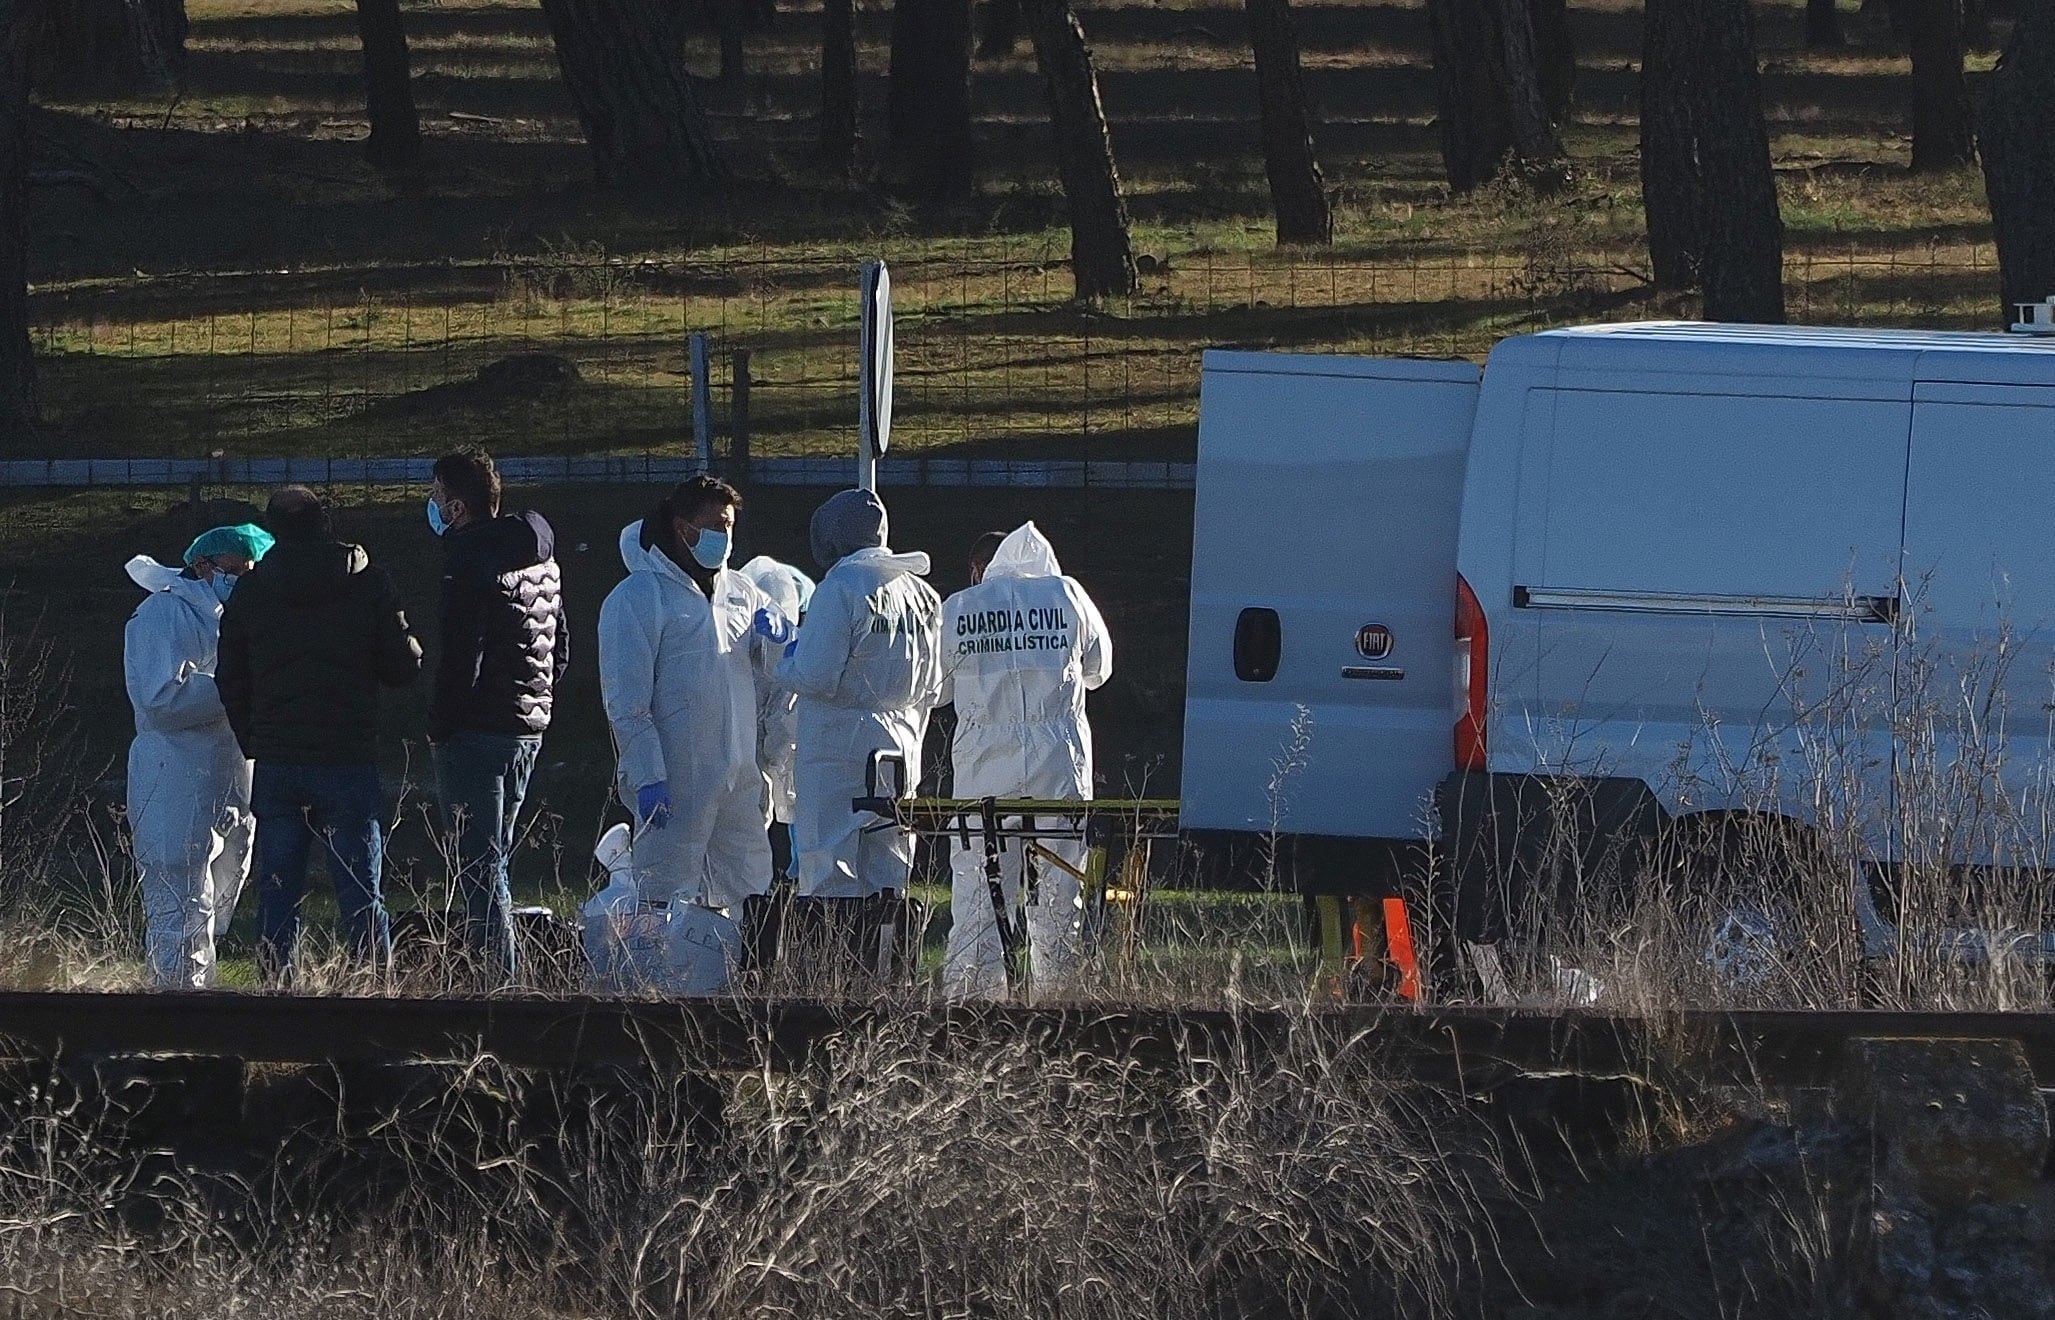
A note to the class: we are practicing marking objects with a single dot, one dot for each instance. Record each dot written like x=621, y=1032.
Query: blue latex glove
x=791, y=646
x=653, y=805
x=773, y=627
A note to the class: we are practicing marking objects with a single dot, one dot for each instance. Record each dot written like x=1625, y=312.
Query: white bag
x=608, y=919
x=701, y=950
x=678, y=950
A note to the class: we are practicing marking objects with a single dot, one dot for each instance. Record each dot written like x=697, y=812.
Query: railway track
x=1457, y=1046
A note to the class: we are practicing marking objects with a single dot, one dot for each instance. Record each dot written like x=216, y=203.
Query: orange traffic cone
x=1398, y=941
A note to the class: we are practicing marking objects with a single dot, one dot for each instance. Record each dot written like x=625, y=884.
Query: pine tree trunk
x=388, y=89
x=1297, y=192
x=1976, y=25
x=1940, y=96
x=930, y=106
x=1102, y=258
x=838, y=83
x=731, y=23
x=906, y=93
x=1671, y=188
x=1475, y=127
x=950, y=173
x=1557, y=55
x=1823, y=25
x=1534, y=135
x=1491, y=102
x=998, y=28
x=1706, y=178
x=623, y=63
x=1897, y=15
x=2014, y=127
x=17, y=359
x=104, y=46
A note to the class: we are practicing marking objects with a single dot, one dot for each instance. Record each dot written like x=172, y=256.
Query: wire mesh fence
x=571, y=355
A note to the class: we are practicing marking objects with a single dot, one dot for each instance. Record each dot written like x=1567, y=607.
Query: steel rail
x=1456, y=1046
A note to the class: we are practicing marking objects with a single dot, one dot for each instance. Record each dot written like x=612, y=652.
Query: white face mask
x=710, y=551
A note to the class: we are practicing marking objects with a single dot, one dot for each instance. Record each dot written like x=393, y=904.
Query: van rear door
x=1320, y=672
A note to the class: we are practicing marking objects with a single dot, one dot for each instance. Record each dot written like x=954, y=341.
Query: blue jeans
x=342, y=806
x=481, y=779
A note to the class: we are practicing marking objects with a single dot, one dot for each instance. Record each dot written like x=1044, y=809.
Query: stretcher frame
x=1107, y=826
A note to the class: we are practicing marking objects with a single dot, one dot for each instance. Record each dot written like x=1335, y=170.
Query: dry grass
x=892, y=1176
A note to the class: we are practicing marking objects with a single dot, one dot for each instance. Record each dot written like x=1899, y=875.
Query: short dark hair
x=469, y=475
x=691, y=498
x=982, y=549
x=296, y=513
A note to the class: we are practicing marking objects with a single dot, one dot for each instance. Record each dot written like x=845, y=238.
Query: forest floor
x=242, y=282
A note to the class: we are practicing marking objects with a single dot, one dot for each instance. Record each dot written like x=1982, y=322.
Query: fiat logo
x=1373, y=641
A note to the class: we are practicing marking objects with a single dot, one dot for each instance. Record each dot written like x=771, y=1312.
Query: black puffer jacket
x=504, y=641
x=309, y=637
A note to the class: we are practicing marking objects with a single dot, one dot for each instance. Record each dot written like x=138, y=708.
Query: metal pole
x=702, y=403
x=738, y=416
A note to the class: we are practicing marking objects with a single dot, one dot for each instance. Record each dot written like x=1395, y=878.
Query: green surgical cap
x=245, y=539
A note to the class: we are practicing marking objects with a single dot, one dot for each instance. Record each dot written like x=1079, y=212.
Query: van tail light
x=1473, y=677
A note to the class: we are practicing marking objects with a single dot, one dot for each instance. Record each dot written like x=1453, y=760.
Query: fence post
x=702, y=403
x=738, y=416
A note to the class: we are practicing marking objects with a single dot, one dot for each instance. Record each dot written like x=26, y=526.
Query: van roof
x=1715, y=332
x=1910, y=355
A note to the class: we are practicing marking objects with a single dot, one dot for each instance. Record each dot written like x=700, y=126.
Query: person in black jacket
x=504, y=647
x=310, y=636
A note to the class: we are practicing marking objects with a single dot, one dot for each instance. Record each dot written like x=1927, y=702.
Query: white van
x=1678, y=568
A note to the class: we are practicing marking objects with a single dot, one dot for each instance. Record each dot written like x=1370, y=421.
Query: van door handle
x=1258, y=645
x=1372, y=671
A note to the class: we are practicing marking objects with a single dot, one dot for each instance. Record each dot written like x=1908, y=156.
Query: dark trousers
x=340, y=805
x=481, y=780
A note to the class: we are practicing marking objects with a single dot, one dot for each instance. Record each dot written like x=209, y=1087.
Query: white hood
x=787, y=587
x=1025, y=553
x=652, y=560
x=152, y=576
x=913, y=561
x=632, y=553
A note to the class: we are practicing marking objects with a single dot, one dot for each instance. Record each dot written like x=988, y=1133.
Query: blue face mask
x=710, y=551
x=223, y=584
x=435, y=522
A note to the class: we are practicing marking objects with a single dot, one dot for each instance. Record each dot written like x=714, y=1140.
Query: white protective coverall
x=789, y=590
x=1020, y=650
x=679, y=675
x=867, y=669
x=188, y=784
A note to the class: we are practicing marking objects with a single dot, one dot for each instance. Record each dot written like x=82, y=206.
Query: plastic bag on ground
x=606, y=919
x=677, y=949
x=701, y=949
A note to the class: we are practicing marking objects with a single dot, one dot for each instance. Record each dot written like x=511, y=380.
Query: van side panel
x=1720, y=571
x=1978, y=655
x=1329, y=499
